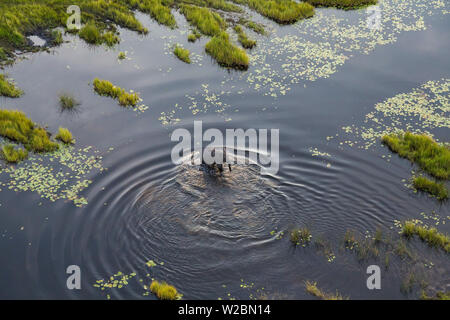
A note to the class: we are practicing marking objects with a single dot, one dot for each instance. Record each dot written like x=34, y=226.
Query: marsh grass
x=206, y=21
x=256, y=27
x=157, y=10
x=12, y=154
x=281, y=11
x=57, y=38
x=402, y=250
x=226, y=53
x=93, y=35
x=300, y=236
x=65, y=136
x=121, y=56
x=311, y=288
x=106, y=88
x=214, y=4
x=194, y=36
x=342, y=4
x=182, y=54
x=437, y=189
x=423, y=150
x=67, y=102
x=164, y=291
x=8, y=88
x=15, y=126
x=432, y=236
x=440, y=295
x=350, y=240
x=243, y=39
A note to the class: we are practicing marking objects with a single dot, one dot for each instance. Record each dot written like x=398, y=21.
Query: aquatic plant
x=256, y=27
x=64, y=135
x=281, y=11
x=342, y=4
x=164, y=291
x=57, y=38
x=243, y=39
x=93, y=35
x=182, y=54
x=311, y=288
x=225, y=53
x=8, y=88
x=440, y=295
x=156, y=9
x=122, y=56
x=423, y=150
x=431, y=236
x=67, y=101
x=13, y=155
x=206, y=21
x=300, y=236
x=15, y=126
x=350, y=240
x=106, y=88
x=194, y=36
x=437, y=189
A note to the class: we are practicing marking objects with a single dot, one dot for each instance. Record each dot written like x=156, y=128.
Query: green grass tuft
x=300, y=236
x=182, y=54
x=194, y=36
x=431, y=236
x=122, y=56
x=206, y=21
x=342, y=4
x=106, y=88
x=67, y=101
x=437, y=189
x=164, y=291
x=13, y=155
x=423, y=150
x=8, y=88
x=256, y=27
x=311, y=288
x=243, y=39
x=225, y=53
x=65, y=136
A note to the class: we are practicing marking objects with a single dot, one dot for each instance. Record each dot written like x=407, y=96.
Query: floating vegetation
x=431, y=236
x=311, y=288
x=8, y=88
x=194, y=36
x=12, y=154
x=437, y=189
x=106, y=88
x=418, y=111
x=300, y=236
x=157, y=10
x=342, y=4
x=423, y=150
x=122, y=56
x=15, y=126
x=164, y=291
x=226, y=53
x=243, y=39
x=67, y=102
x=440, y=295
x=118, y=280
x=256, y=27
x=62, y=174
x=65, y=136
x=93, y=35
x=182, y=54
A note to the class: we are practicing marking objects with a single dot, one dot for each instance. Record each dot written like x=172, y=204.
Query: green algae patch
x=342, y=4
x=164, y=291
x=207, y=22
x=281, y=11
x=8, y=88
x=106, y=88
x=225, y=53
x=312, y=289
x=437, y=189
x=182, y=54
x=431, y=236
x=15, y=126
x=423, y=150
x=11, y=154
x=246, y=42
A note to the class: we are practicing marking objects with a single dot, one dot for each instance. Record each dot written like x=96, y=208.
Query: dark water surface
x=210, y=237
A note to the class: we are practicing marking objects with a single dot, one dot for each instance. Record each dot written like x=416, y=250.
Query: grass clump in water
x=8, y=89
x=164, y=291
x=67, y=102
x=122, y=56
x=300, y=236
x=194, y=36
x=342, y=4
x=311, y=288
x=206, y=21
x=225, y=53
x=106, y=88
x=437, y=189
x=13, y=155
x=65, y=136
x=281, y=11
x=256, y=27
x=243, y=39
x=92, y=35
x=182, y=54
x=431, y=236
x=57, y=38
x=157, y=10
x=423, y=150
x=15, y=126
